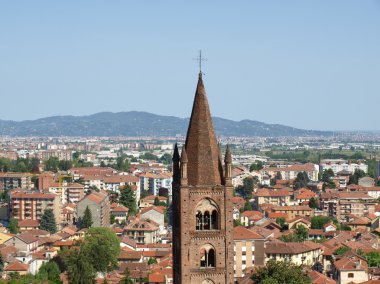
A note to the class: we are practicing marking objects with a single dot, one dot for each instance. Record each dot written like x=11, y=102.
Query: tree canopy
x=101, y=246
x=127, y=198
x=47, y=221
x=279, y=272
x=86, y=221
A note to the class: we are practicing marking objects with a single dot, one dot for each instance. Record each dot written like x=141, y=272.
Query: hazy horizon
x=309, y=65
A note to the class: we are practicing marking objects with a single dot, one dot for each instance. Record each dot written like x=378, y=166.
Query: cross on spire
x=200, y=59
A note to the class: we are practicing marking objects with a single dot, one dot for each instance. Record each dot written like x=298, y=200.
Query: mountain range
x=134, y=123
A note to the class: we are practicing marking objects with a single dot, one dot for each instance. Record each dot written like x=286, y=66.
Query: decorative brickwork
x=202, y=209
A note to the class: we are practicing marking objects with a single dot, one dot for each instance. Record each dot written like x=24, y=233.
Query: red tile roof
x=241, y=233
x=17, y=266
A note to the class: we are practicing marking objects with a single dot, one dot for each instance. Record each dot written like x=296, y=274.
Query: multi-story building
x=66, y=155
x=249, y=250
x=306, y=253
x=290, y=172
x=99, y=205
x=269, y=196
x=74, y=192
x=143, y=231
x=341, y=165
x=294, y=211
x=358, y=204
x=152, y=182
x=15, y=180
x=345, y=205
x=31, y=205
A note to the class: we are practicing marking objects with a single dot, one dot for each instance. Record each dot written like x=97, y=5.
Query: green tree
x=149, y=156
x=166, y=159
x=79, y=268
x=279, y=272
x=122, y=163
x=258, y=165
x=238, y=223
x=282, y=222
x=127, y=198
x=327, y=175
x=13, y=226
x=373, y=258
x=247, y=206
x=47, y=222
x=52, y=164
x=49, y=271
x=354, y=178
x=302, y=233
x=152, y=260
x=248, y=184
x=341, y=250
x=127, y=278
x=317, y=222
x=86, y=221
x=313, y=203
x=301, y=180
x=101, y=247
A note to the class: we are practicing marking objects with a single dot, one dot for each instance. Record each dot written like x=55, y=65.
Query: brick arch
x=207, y=215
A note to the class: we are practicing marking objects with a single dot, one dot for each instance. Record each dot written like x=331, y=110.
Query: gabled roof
x=17, y=266
x=241, y=233
x=27, y=238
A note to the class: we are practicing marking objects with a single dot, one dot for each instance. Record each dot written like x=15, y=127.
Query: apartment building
x=270, y=196
x=290, y=172
x=358, y=204
x=347, y=204
x=306, y=253
x=151, y=182
x=294, y=211
x=143, y=231
x=15, y=180
x=99, y=205
x=339, y=165
x=248, y=250
x=25, y=205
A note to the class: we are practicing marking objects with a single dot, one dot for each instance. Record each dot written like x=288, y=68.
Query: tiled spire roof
x=201, y=145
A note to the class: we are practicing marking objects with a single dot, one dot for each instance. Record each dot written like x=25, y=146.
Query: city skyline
x=309, y=66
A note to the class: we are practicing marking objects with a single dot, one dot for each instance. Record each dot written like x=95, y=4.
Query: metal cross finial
x=200, y=59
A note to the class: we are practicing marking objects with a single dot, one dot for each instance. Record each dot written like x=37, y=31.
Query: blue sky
x=308, y=64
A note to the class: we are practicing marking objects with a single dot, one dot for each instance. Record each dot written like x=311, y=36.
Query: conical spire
x=201, y=145
x=228, y=157
x=176, y=157
x=183, y=156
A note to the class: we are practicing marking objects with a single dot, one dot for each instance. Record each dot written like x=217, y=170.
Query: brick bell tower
x=202, y=210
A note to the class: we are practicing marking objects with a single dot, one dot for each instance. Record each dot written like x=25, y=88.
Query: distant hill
x=136, y=123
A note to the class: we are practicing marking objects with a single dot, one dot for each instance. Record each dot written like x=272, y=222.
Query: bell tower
x=202, y=210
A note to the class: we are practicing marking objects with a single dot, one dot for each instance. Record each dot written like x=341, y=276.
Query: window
x=207, y=254
x=207, y=215
x=350, y=275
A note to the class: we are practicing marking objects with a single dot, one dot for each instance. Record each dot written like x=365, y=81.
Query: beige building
x=290, y=172
x=294, y=211
x=15, y=180
x=143, y=231
x=269, y=196
x=249, y=250
x=306, y=253
x=350, y=269
x=358, y=204
x=99, y=205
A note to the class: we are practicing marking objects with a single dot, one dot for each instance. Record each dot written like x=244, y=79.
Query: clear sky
x=307, y=64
